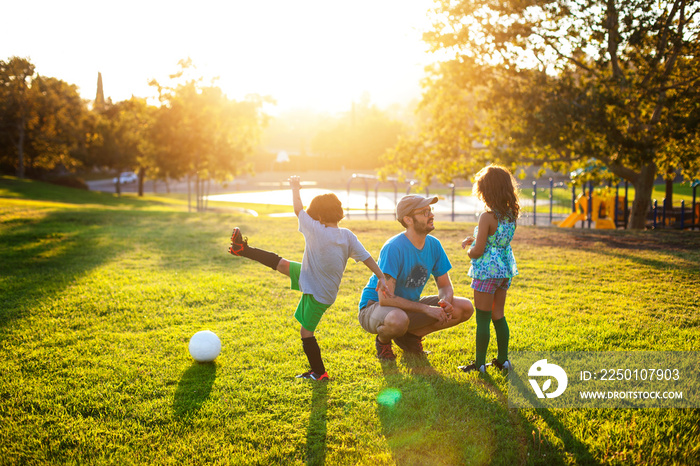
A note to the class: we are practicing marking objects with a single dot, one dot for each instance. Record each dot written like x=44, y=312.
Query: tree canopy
x=558, y=83
x=357, y=138
x=196, y=131
x=43, y=121
x=200, y=132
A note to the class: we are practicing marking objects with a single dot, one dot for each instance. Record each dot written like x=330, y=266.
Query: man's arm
x=392, y=300
x=445, y=290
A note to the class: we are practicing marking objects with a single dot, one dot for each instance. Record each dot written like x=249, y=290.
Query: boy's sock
x=483, y=334
x=267, y=258
x=502, y=337
x=313, y=354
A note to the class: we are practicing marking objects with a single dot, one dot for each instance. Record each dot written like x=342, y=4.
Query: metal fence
x=543, y=203
x=609, y=209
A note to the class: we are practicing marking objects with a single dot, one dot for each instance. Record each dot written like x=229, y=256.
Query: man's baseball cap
x=409, y=203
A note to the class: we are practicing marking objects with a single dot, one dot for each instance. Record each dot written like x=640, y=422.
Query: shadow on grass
x=194, y=389
x=431, y=419
x=41, y=256
x=571, y=444
x=38, y=191
x=42, y=253
x=677, y=259
x=316, y=432
x=632, y=245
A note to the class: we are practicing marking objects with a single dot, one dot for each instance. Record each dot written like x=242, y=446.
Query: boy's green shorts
x=309, y=311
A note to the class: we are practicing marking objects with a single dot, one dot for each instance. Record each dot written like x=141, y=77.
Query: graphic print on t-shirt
x=418, y=277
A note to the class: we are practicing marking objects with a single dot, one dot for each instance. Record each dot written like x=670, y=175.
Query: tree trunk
x=20, y=149
x=189, y=197
x=643, y=185
x=141, y=177
x=668, y=200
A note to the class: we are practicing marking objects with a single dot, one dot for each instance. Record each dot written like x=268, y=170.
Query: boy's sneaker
x=238, y=243
x=314, y=376
x=411, y=343
x=506, y=366
x=473, y=367
x=384, y=351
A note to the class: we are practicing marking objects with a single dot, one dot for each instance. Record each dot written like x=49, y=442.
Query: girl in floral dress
x=492, y=262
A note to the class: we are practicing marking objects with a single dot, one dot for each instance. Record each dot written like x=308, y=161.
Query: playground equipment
x=602, y=210
x=675, y=217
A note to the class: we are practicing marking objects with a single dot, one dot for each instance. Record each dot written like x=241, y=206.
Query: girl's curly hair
x=498, y=189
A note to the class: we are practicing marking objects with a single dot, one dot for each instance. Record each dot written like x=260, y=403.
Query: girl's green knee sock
x=483, y=334
x=502, y=337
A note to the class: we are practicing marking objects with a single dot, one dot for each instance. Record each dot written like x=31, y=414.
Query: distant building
x=100, y=97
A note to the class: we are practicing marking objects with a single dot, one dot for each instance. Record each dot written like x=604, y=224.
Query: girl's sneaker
x=314, y=376
x=506, y=366
x=473, y=367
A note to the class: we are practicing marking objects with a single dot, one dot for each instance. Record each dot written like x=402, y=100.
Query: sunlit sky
x=312, y=54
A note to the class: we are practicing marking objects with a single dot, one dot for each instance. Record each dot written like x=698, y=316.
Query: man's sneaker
x=411, y=343
x=473, y=367
x=314, y=376
x=506, y=366
x=384, y=351
x=238, y=243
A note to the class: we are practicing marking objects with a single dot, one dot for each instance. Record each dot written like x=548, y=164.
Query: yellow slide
x=571, y=220
x=601, y=209
x=604, y=223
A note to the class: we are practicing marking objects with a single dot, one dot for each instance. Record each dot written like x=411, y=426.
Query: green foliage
x=358, y=138
x=199, y=130
x=557, y=83
x=99, y=296
x=123, y=135
x=44, y=124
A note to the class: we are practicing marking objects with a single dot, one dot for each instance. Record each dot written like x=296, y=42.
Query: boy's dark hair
x=326, y=208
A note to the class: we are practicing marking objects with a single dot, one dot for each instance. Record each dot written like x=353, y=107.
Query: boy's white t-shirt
x=325, y=256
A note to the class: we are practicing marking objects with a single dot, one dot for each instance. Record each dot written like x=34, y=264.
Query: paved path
x=384, y=203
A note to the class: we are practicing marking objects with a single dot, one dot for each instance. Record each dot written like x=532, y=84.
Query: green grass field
x=99, y=296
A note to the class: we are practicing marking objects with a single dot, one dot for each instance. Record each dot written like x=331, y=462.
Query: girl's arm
x=487, y=226
x=381, y=286
x=295, y=184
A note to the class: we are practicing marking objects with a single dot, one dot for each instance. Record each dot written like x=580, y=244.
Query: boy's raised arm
x=295, y=184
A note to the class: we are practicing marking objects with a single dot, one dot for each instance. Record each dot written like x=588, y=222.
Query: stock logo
x=541, y=369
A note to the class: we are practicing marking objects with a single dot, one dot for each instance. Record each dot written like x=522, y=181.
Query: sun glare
x=313, y=54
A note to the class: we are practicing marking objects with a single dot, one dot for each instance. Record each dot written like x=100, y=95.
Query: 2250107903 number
x=632, y=374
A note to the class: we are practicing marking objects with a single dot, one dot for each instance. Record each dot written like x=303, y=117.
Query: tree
x=199, y=132
x=57, y=127
x=15, y=79
x=559, y=82
x=44, y=124
x=358, y=138
x=125, y=137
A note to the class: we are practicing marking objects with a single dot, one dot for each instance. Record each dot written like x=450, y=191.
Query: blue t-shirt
x=410, y=266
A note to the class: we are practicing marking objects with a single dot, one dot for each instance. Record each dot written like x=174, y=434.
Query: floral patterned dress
x=498, y=260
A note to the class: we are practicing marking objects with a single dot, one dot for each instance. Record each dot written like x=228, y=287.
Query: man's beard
x=423, y=228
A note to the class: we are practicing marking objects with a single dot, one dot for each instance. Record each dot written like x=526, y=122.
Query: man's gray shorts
x=373, y=315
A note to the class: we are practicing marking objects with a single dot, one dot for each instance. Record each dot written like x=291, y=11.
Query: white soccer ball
x=205, y=346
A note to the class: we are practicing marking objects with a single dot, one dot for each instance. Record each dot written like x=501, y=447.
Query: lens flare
x=389, y=397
